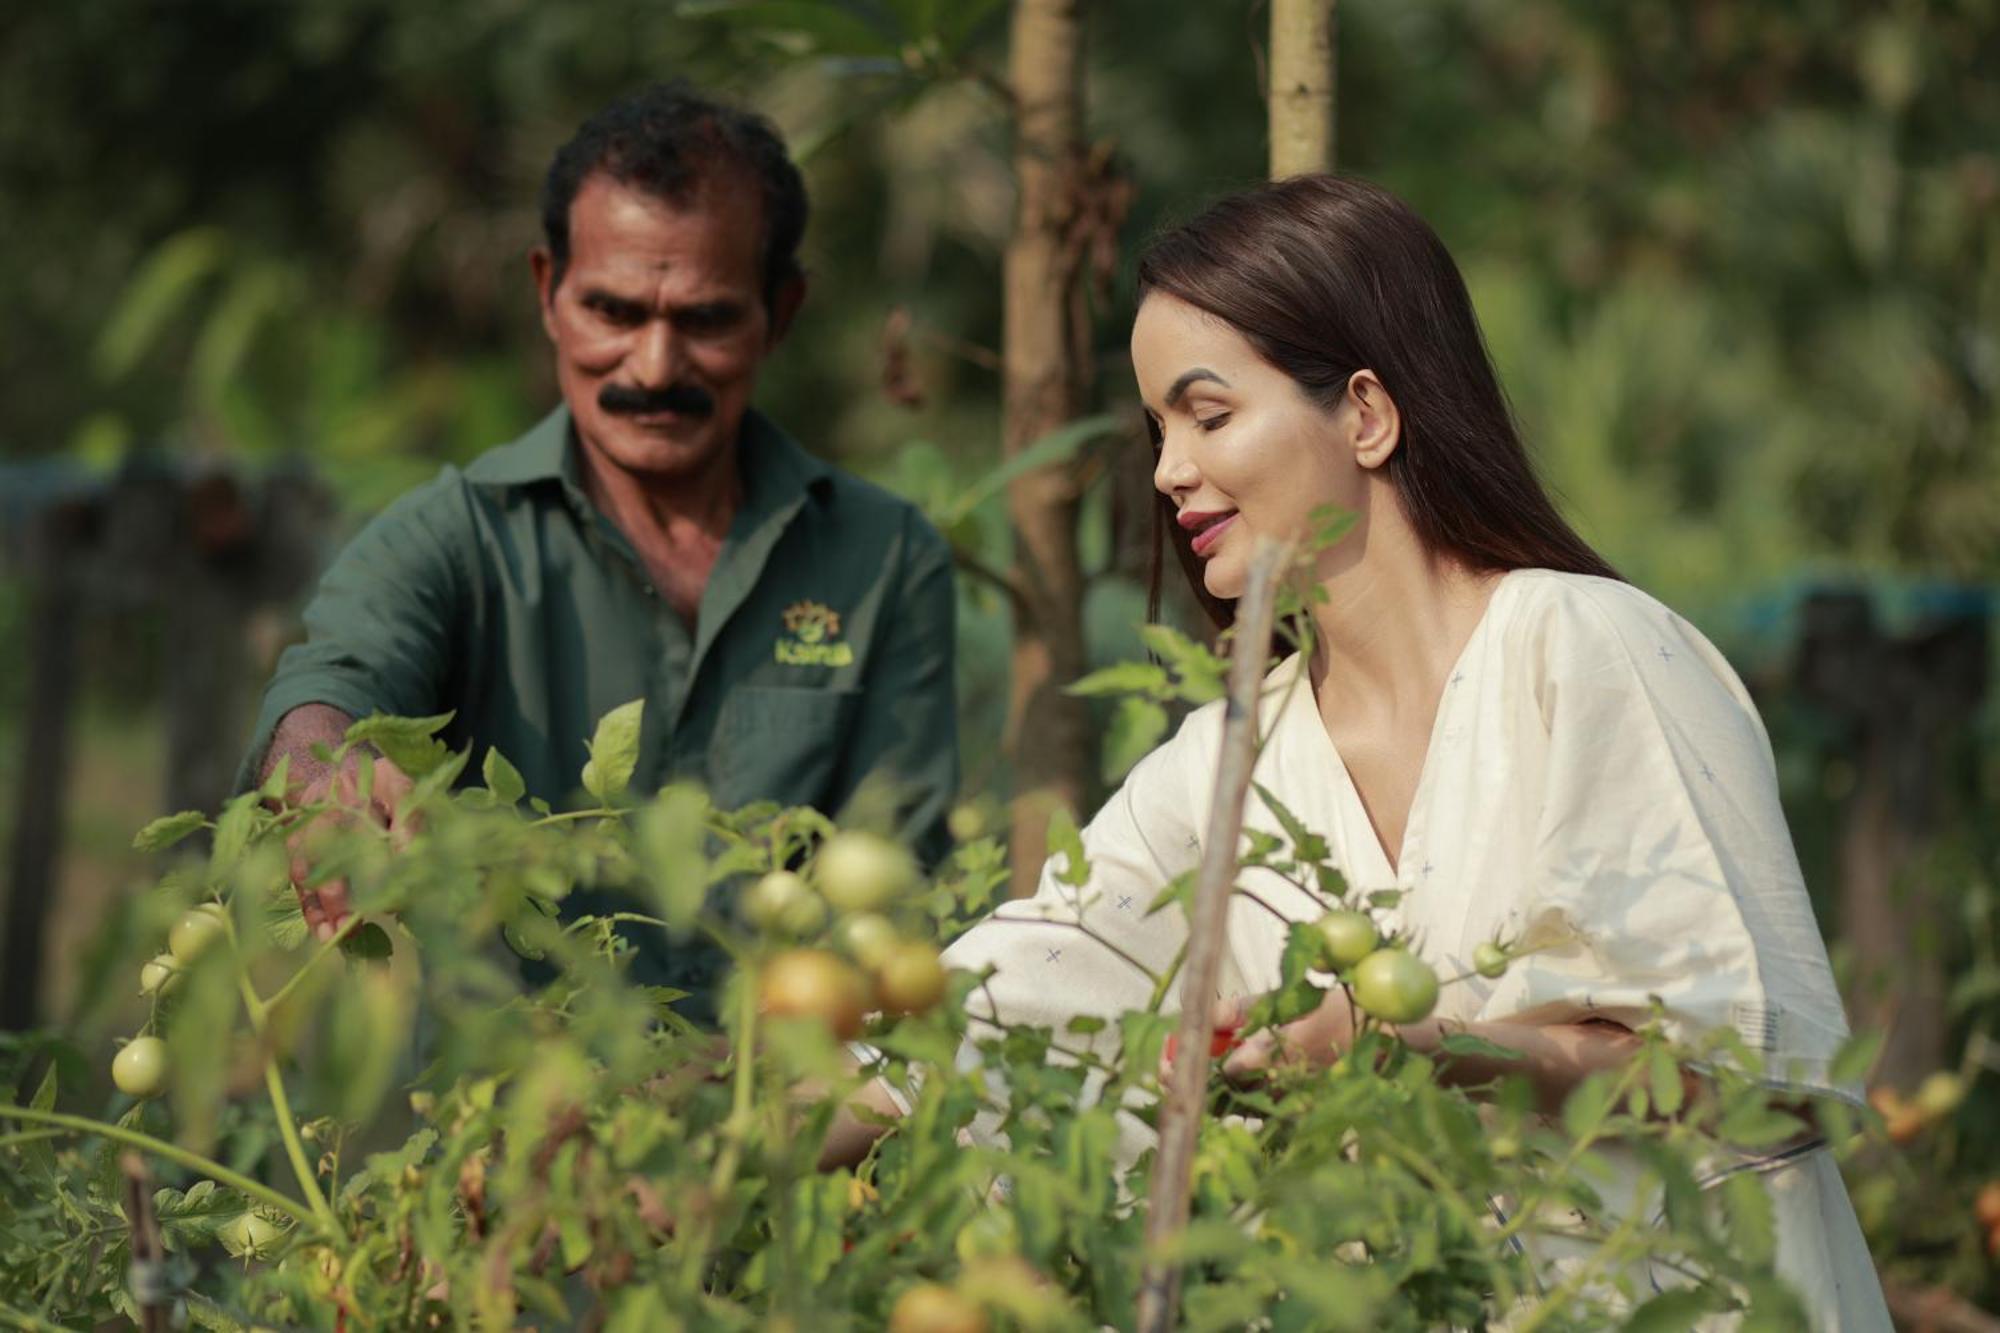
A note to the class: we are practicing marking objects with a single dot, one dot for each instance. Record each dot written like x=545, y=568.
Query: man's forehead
x=621, y=228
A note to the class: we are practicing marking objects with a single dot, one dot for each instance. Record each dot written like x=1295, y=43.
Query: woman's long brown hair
x=1327, y=275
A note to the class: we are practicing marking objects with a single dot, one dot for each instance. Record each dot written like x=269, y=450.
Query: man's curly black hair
x=669, y=141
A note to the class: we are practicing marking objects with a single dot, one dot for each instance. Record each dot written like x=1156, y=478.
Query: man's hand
x=298, y=739
x=325, y=906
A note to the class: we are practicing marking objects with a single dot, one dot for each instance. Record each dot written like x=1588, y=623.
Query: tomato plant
x=578, y=1151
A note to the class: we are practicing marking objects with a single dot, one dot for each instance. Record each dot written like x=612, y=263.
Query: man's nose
x=654, y=361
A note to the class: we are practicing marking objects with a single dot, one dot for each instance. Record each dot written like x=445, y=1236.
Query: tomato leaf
x=1465, y=1043
x=370, y=943
x=614, y=751
x=502, y=778
x=167, y=830
x=407, y=742
x=1136, y=727
x=1198, y=673
x=1147, y=678
x=1066, y=842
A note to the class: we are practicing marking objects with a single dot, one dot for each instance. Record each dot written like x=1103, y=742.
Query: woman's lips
x=1207, y=537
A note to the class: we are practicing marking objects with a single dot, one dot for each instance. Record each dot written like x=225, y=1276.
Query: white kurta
x=1595, y=767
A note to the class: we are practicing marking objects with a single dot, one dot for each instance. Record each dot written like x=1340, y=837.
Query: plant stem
x=171, y=1152
x=288, y=1131
x=281, y=1104
x=1599, y=1260
x=260, y=1009
x=21, y=1319
x=567, y=816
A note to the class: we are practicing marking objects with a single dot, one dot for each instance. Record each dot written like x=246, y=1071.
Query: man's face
x=660, y=322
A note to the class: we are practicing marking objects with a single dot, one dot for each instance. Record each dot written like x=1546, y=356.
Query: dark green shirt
x=821, y=654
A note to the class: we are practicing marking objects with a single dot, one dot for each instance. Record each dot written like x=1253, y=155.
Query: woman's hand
x=1314, y=1042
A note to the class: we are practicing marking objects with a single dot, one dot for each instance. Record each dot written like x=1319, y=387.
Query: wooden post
x=1208, y=932
x=55, y=549
x=1301, y=95
x=1047, y=738
x=149, y=1255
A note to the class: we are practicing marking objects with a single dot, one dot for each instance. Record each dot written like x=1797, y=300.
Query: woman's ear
x=1376, y=427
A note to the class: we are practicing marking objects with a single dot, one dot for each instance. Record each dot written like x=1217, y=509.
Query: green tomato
x=965, y=822
x=863, y=872
x=867, y=938
x=194, y=932
x=1489, y=960
x=782, y=901
x=250, y=1235
x=1939, y=1094
x=990, y=1235
x=1346, y=937
x=140, y=1067
x=930, y=1308
x=1395, y=986
x=158, y=974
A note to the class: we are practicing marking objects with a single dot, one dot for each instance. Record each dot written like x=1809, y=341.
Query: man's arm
x=906, y=737
x=380, y=634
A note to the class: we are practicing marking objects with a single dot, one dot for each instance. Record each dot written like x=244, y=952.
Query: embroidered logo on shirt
x=809, y=639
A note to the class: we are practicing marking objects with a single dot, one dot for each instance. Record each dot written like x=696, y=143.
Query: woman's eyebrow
x=1189, y=377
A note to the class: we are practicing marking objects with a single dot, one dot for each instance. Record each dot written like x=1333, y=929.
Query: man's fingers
x=391, y=787
x=333, y=905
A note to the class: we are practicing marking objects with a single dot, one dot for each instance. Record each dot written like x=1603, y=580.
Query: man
x=789, y=627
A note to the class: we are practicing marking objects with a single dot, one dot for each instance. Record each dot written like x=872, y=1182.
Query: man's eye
x=622, y=313
x=1216, y=422
x=707, y=321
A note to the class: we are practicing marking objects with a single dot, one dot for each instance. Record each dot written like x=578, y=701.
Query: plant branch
x=170, y=1152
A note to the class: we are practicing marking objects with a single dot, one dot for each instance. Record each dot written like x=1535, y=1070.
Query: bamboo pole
x=1208, y=931
x=1301, y=93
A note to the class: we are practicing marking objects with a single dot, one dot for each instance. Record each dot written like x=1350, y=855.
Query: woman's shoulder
x=1574, y=626
x=1601, y=617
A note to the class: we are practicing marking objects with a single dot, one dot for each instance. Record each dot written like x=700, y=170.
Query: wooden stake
x=149, y=1255
x=1300, y=99
x=1208, y=931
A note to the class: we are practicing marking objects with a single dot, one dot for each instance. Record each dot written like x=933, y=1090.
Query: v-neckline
x=1394, y=865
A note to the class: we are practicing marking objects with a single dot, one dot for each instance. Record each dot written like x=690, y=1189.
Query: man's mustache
x=688, y=400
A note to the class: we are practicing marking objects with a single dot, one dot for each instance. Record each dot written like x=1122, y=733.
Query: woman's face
x=1242, y=451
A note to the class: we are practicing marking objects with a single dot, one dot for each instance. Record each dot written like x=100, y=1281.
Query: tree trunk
x=1301, y=91
x=1047, y=739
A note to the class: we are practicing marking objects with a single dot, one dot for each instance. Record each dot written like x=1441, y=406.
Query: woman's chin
x=1223, y=580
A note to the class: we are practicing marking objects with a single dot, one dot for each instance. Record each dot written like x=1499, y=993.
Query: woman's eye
x=1216, y=422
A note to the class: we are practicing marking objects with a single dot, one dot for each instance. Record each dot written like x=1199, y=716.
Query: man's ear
x=785, y=303
x=1377, y=424
x=543, y=265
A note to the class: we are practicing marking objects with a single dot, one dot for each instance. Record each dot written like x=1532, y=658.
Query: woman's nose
x=1174, y=472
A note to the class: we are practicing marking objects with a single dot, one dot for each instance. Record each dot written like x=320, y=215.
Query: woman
x=1490, y=719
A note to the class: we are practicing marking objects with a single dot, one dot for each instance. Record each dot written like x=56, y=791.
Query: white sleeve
x=1093, y=949
x=1661, y=853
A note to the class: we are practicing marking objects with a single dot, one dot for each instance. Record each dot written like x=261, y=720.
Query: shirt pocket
x=779, y=743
